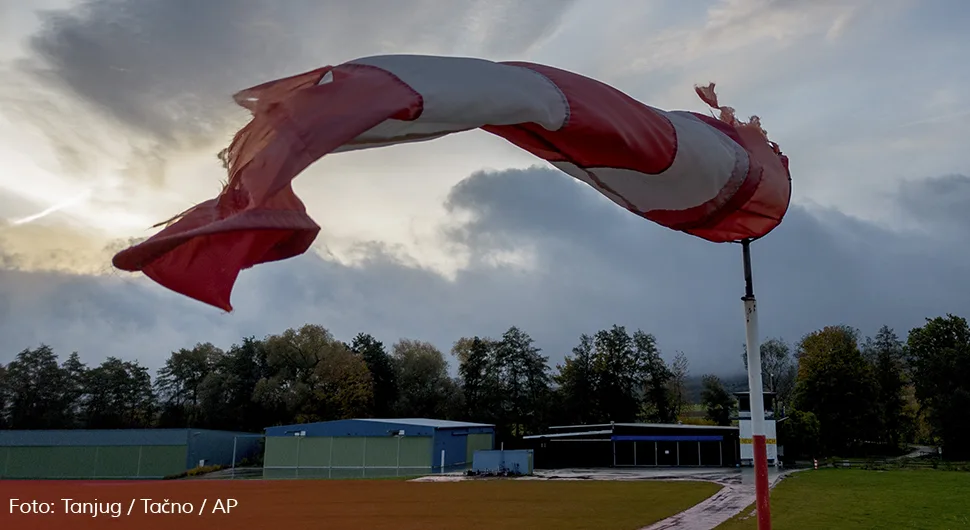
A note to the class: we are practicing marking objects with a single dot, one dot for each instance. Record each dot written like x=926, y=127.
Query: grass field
x=368, y=504
x=857, y=499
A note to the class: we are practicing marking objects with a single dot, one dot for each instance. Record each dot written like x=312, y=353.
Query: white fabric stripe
x=465, y=93
x=580, y=174
x=705, y=161
x=392, y=132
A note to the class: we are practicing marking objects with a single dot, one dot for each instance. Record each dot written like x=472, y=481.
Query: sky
x=112, y=112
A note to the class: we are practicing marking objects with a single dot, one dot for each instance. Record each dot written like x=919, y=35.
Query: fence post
x=297, y=473
x=442, y=461
x=397, y=470
x=234, y=439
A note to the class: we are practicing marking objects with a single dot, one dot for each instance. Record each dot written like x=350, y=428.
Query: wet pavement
x=736, y=493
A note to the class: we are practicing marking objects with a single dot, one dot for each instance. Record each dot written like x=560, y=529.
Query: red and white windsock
x=715, y=178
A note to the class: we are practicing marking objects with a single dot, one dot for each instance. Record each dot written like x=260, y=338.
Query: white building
x=744, y=428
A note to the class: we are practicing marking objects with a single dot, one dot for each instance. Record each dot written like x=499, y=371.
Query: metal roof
x=565, y=434
x=425, y=422
x=91, y=437
x=650, y=425
x=679, y=426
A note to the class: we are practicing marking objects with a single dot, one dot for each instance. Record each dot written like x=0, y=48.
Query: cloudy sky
x=112, y=111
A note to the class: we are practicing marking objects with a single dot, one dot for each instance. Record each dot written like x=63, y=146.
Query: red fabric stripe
x=606, y=128
x=258, y=218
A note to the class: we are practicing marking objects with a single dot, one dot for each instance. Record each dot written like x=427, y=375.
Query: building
x=635, y=445
x=361, y=448
x=118, y=453
x=744, y=423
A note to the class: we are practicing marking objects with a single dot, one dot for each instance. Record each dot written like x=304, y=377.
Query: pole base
x=761, y=481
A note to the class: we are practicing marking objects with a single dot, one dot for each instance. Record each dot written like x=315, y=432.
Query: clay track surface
x=352, y=504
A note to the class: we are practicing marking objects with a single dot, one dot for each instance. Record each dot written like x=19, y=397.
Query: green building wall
x=346, y=457
x=477, y=442
x=91, y=462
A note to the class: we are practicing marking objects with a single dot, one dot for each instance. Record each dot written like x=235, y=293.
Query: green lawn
x=858, y=499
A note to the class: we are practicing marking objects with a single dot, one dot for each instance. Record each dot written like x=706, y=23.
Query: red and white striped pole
x=756, y=394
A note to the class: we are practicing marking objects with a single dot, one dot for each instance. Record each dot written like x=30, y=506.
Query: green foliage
x=778, y=369
x=479, y=379
x=894, y=422
x=195, y=472
x=800, y=435
x=939, y=357
x=425, y=389
x=837, y=385
x=381, y=368
x=718, y=402
x=846, y=399
x=577, y=380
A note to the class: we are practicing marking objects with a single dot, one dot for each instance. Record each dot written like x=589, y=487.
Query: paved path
x=736, y=494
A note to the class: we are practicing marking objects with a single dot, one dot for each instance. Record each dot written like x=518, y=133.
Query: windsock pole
x=756, y=394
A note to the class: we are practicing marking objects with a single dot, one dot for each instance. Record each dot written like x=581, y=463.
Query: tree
x=658, y=405
x=38, y=390
x=424, y=388
x=799, y=433
x=577, y=381
x=836, y=384
x=939, y=357
x=778, y=369
x=75, y=387
x=480, y=384
x=227, y=393
x=676, y=384
x=886, y=355
x=179, y=384
x=718, y=402
x=313, y=377
x=382, y=372
x=525, y=381
x=4, y=398
x=118, y=396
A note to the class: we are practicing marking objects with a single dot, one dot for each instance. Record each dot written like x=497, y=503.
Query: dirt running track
x=357, y=505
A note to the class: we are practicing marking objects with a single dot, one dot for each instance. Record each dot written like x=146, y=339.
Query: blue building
x=373, y=448
x=118, y=453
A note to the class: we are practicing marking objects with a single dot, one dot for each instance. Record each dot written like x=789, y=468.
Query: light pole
x=756, y=393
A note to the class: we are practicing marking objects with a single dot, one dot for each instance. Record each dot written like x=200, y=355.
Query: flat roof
x=564, y=434
x=104, y=437
x=648, y=425
x=425, y=422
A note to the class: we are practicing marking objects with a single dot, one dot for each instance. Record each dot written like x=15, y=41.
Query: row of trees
x=306, y=375
x=845, y=395
x=840, y=394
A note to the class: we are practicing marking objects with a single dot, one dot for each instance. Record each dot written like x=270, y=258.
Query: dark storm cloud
x=593, y=265
x=168, y=67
